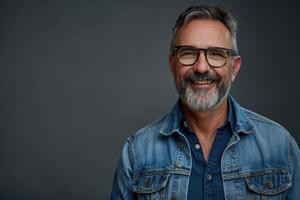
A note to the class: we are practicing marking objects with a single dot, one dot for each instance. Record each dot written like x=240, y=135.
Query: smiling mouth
x=202, y=85
x=204, y=82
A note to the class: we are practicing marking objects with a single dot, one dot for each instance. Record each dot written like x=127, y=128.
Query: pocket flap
x=269, y=182
x=149, y=183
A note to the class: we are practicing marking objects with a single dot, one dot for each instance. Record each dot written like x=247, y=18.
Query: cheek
x=180, y=73
x=224, y=73
x=230, y=73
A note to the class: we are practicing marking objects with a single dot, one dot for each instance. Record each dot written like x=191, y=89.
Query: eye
x=217, y=54
x=187, y=52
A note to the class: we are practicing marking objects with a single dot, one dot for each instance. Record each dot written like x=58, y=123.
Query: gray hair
x=211, y=12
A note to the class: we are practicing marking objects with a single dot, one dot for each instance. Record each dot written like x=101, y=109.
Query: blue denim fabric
x=206, y=179
x=261, y=161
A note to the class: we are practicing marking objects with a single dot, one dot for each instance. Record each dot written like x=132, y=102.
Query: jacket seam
x=131, y=153
x=290, y=155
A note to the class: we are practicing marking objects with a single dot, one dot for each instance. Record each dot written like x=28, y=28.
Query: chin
x=200, y=100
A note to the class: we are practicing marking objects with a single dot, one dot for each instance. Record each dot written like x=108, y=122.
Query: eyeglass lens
x=215, y=57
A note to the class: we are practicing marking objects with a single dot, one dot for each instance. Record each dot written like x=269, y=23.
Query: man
x=208, y=146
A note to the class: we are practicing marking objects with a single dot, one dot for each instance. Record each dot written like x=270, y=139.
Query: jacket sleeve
x=123, y=179
x=294, y=192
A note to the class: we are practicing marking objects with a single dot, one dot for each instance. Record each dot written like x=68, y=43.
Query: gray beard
x=201, y=100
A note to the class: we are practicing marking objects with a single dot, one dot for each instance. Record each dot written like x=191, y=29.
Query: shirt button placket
x=208, y=193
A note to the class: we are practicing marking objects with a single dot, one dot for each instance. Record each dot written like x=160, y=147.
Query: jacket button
x=209, y=177
x=185, y=124
x=173, y=198
x=270, y=184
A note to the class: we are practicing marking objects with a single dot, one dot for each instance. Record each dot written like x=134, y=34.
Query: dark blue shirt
x=206, y=179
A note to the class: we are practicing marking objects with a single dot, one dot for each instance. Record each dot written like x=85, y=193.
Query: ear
x=172, y=64
x=236, y=67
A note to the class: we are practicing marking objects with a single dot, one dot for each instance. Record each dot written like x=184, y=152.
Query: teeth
x=203, y=82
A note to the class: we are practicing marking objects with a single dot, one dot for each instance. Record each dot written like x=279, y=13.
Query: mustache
x=206, y=76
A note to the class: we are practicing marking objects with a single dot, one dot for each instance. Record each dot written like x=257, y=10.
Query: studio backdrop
x=79, y=77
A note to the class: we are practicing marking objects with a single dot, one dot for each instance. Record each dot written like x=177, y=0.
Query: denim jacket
x=261, y=161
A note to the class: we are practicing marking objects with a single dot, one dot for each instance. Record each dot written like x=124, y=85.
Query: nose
x=201, y=65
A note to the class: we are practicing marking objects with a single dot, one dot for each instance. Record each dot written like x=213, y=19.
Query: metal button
x=197, y=146
x=178, y=165
x=148, y=182
x=270, y=184
x=209, y=177
x=185, y=124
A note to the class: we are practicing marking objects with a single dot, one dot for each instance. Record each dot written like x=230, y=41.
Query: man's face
x=200, y=86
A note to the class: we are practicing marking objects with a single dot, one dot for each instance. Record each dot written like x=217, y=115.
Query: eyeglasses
x=215, y=56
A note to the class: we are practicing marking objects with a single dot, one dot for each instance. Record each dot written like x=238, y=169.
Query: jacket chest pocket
x=271, y=185
x=151, y=186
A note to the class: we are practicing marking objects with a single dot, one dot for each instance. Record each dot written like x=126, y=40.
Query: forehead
x=203, y=33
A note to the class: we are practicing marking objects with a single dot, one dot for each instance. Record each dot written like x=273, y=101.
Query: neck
x=207, y=122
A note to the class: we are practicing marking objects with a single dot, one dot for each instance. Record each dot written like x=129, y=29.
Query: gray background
x=78, y=77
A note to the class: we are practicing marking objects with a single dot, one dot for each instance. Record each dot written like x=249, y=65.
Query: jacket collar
x=240, y=122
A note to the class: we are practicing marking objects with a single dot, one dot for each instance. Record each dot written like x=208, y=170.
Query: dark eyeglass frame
x=230, y=52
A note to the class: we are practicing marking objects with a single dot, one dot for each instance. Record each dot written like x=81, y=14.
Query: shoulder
x=260, y=121
x=147, y=136
x=267, y=131
x=248, y=121
x=162, y=127
x=148, y=146
x=150, y=129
